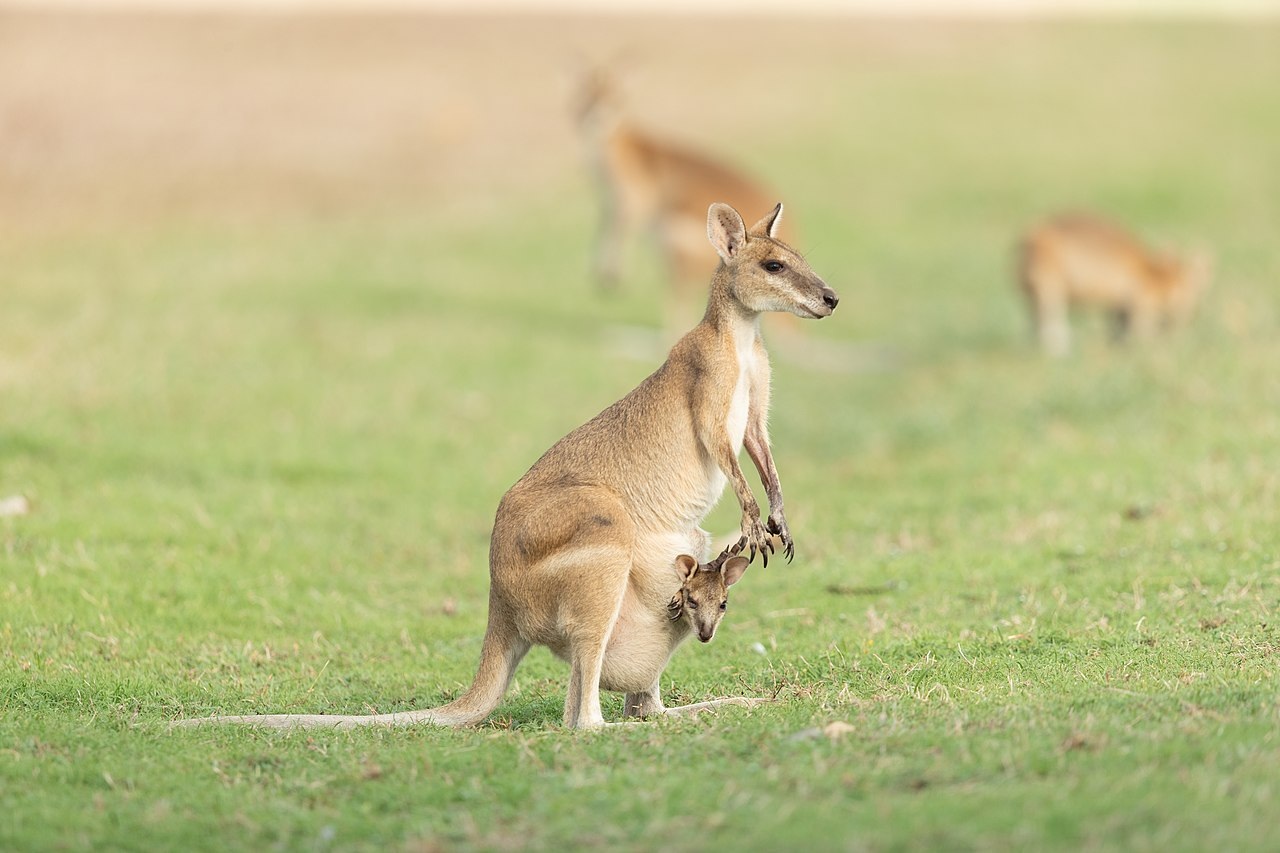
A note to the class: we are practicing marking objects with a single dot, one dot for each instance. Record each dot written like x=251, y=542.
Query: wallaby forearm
x=757, y=446
x=728, y=463
x=756, y=439
x=755, y=536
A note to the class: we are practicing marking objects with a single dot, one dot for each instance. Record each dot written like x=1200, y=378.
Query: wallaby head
x=597, y=99
x=1180, y=280
x=703, y=596
x=764, y=273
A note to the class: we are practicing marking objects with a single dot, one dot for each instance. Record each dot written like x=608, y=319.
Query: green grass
x=263, y=464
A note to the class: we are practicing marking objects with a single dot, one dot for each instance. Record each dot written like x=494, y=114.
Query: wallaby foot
x=646, y=704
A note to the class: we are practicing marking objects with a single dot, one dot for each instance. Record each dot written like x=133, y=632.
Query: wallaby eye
x=774, y=266
x=723, y=605
x=693, y=605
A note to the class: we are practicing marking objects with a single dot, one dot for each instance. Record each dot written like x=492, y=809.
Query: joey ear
x=685, y=567
x=725, y=230
x=768, y=227
x=733, y=569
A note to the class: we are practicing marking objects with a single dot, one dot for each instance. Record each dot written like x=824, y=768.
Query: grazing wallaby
x=649, y=184
x=584, y=542
x=1075, y=259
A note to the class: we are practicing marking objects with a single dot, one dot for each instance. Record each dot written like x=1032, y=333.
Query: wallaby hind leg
x=572, y=698
x=582, y=705
x=1120, y=322
x=1049, y=316
x=645, y=704
x=611, y=238
x=1046, y=296
x=589, y=618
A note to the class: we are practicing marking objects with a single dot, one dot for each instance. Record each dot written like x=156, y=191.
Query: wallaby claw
x=756, y=538
x=777, y=525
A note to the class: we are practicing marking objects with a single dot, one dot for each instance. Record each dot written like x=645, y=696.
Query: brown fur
x=653, y=185
x=1077, y=260
x=583, y=544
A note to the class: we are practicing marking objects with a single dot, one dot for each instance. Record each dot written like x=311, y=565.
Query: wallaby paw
x=756, y=538
x=584, y=724
x=777, y=526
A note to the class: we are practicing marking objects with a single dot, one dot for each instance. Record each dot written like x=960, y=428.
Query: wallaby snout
x=830, y=299
x=704, y=625
x=823, y=304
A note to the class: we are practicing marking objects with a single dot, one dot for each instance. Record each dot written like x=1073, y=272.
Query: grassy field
x=263, y=450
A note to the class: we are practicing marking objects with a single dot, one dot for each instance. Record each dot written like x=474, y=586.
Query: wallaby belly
x=639, y=647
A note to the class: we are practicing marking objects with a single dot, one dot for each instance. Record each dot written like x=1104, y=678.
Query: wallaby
x=641, y=644
x=1075, y=259
x=584, y=542
x=696, y=608
x=650, y=184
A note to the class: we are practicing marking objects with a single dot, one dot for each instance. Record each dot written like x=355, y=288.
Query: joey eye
x=774, y=266
x=693, y=605
x=723, y=605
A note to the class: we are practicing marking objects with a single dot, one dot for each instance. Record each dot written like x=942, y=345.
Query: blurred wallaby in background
x=1076, y=259
x=656, y=187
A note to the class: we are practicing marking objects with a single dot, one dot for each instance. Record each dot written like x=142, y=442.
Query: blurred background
x=239, y=109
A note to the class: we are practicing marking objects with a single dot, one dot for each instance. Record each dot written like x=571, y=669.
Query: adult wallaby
x=583, y=544
x=1081, y=260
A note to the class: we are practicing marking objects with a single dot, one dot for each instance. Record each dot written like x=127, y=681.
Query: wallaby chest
x=739, y=360
x=744, y=351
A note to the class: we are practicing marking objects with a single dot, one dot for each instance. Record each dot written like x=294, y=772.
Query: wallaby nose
x=706, y=638
x=831, y=298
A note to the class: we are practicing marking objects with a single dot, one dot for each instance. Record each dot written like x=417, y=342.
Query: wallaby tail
x=502, y=651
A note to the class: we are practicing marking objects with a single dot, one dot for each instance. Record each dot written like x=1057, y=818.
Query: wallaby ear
x=768, y=227
x=685, y=567
x=733, y=569
x=725, y=230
